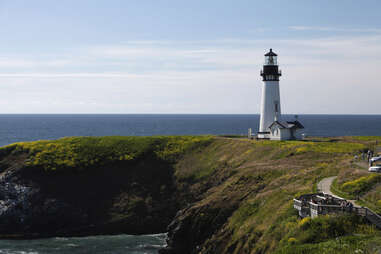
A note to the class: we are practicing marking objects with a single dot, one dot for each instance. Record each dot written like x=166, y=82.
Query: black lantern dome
x=270, y=68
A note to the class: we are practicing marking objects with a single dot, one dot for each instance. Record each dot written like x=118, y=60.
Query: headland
x=211, y=194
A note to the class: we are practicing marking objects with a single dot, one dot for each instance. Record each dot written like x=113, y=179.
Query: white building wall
x=285, y=134
x=270, y=96
x=298, y=134
x=274, y=133
x=277, y=133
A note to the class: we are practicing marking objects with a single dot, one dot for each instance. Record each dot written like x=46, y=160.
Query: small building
x=285, y=130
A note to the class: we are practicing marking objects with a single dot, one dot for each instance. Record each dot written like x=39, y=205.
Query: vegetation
x=358, y=183
x=88, y=152
x=362, y=184
x=372, y=198
x=237, y=192
x=329, y=234
x=264, y=177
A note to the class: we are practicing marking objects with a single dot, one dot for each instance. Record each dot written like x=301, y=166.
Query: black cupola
x=270, y=68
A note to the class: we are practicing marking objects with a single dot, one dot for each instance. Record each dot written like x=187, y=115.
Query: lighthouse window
x=270, y=60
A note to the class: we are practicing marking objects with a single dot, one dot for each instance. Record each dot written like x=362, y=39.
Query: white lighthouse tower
x=270, y=103
x=271, y=125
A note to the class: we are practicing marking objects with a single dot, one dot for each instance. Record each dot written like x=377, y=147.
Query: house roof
x=295, y=124
x=288, y=125
x=282, y=125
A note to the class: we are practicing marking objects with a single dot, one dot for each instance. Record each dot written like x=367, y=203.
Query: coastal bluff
x=211, y=194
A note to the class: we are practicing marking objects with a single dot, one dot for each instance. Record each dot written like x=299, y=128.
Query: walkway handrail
x=373, y=217
x=373, y=213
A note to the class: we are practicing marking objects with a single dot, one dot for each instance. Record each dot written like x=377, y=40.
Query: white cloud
x=327, y=75
x=68, y=75
x=16, y=62
x=335, y=29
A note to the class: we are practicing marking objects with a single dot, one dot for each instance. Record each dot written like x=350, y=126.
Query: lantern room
x=271, y=58
x=270, y=68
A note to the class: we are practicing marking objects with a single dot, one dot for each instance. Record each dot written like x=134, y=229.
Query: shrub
x=291, y=240
x=304, y=223
x=361, y=184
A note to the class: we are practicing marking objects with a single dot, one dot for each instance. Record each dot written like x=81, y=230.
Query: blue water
x=15, y=128
x=118, y=244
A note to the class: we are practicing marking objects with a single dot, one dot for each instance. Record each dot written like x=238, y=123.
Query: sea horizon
x=31, y=127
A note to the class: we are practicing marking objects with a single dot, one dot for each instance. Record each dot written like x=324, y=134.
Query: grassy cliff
x=91, y=185
x=358, y=183
x=229, y=195
x=254, y=183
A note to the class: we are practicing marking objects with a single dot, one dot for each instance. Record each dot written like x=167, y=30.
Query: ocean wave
x=17, y=252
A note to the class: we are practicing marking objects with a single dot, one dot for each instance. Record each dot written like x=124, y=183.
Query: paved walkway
x=325, y=186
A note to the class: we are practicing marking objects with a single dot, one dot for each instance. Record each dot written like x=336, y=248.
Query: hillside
x=218, y=195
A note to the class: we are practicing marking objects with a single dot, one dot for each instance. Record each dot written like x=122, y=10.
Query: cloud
x=68, y=75
x=335, y=29
x=17, y=62
x=215, y=76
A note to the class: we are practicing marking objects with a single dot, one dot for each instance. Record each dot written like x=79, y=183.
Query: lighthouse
x=271, y=125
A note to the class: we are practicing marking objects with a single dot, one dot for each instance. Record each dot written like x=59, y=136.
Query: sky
x=181, y=56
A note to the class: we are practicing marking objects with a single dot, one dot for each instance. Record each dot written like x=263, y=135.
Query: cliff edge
x=211, y=194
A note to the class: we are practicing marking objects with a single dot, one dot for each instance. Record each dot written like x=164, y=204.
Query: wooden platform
x=317, y=204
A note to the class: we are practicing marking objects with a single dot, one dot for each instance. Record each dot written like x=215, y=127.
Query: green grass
x=258, y=179
x=364, y=244
x=362, y=184
x=337, y=191
x=233, y=136
x=372, y=199
x=292, y=168
x=366, y=138
x=300, y=147
x=328, y=234
x=88, y=152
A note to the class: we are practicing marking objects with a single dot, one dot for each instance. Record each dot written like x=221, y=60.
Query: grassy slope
x=81, y=153
x=244, y=189
x=259, y=180
x=359, y=183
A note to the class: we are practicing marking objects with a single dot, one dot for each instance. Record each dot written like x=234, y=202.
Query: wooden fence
x=307, y=208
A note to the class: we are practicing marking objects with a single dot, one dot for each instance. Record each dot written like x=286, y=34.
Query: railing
x=372, y=217
x=312, y=209
x=298, y=204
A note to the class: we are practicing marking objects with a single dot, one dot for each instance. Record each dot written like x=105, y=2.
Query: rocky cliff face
x=133, y=199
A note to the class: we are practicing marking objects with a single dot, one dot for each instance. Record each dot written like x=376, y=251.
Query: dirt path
x=325, y=186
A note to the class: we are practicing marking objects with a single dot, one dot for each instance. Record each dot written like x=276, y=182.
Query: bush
x=305, y=222
x=361, y=184
x=326, y=227
x=291, y=240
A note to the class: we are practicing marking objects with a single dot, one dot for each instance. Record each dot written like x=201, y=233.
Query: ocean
x=16, y=128
x=117, y=244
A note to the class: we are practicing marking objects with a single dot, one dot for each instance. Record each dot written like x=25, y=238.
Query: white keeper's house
x=271, y=125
